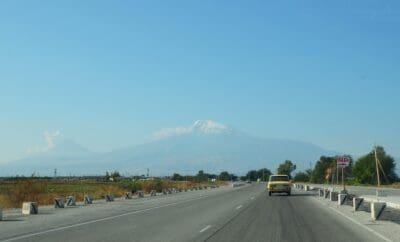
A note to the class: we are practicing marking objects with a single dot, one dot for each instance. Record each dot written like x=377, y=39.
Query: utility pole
x=377, y=167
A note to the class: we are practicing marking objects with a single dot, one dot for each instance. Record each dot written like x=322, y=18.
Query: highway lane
x=295, y=218
x=226, y=214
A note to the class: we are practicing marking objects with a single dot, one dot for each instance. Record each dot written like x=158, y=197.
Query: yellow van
x=279, y=184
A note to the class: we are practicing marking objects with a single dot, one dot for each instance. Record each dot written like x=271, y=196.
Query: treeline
x=361, y=171
x=202, y=176
x=252, y=175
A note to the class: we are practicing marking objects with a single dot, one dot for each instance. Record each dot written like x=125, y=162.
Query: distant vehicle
x=279, y=184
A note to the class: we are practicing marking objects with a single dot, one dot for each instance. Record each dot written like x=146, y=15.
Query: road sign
x=343, y=161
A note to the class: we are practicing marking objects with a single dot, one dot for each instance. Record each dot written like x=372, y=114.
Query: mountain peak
x=205, y=127
x=209, y=127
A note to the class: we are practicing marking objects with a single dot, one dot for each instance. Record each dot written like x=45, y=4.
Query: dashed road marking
x=205, y=228
x=239, y=207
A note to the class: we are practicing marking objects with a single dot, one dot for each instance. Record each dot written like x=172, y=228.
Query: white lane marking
x=239, y=207
x=252, y=198
x=358, y=223
x=205, y=228
x=97, y=220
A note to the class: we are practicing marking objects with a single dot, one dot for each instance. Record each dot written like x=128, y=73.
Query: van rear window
x=279, y=178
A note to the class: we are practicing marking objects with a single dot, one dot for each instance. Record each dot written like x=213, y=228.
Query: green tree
x=201, y=176
x=319, y=171
x=364, y=169
x=264, y=174
x=252, y=175
x=224, y=176
x=286, y=168
x=303, y=176
x=177, y=177
x=107, y=177
x=115, y=175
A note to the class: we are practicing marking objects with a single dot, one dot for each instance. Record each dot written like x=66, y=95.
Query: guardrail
x=377, y=206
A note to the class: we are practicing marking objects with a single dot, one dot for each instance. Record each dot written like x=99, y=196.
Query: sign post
x=343, y=162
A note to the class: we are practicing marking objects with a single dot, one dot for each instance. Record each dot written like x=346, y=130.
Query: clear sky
x=109, y=73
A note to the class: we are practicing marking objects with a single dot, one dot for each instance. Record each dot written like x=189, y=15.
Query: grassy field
x=12, y=194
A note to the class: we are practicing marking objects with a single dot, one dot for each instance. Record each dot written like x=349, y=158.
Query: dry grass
x=13, y=194
x=394, y=185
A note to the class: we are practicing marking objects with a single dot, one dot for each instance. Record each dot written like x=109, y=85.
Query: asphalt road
x=224, y=214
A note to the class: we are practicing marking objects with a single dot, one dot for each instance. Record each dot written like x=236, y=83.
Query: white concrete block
x=153, y=193
x=333, y=196
x=128, y=195
x=87, y=200
x=342, y=198
x=306, y=188
x=59, y=202
x=357, y=202
x=109, y=198
x=140, y=194
x=71, y=201
x=377, y=209
x=30, y=208
x=326, y=193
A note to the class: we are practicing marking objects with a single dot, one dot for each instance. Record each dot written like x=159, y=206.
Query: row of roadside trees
x=361, y=171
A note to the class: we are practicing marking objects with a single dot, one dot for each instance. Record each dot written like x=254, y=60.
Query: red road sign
x=343, y=161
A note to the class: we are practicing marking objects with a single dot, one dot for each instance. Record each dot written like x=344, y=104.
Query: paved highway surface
x=225, y=214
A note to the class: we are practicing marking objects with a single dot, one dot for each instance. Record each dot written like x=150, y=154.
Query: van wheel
x=288, y=193
x=269, y=193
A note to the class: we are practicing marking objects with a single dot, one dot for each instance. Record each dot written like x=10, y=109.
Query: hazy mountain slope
x=204, y=145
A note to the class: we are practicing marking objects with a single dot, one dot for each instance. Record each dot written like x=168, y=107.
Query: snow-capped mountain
x=204, y=145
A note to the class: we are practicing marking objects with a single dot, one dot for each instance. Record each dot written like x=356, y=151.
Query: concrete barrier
x=357, y=203
x=128, y=195
x=342, y=198
x=333, y=196
x=59, y=202
x=87, y=200
x=153, y=193
x=71, y=201
x=109, y=198
x=1, y=214
x=140, y=194
x=165, y=192
x=30, y=208
x=326, y=193
x=377, y=209
x=321, y=192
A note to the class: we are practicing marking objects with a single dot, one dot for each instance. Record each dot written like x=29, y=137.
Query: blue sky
x=109, y=73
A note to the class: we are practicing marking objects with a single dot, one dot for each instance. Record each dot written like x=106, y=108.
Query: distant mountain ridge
x=204, y=145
